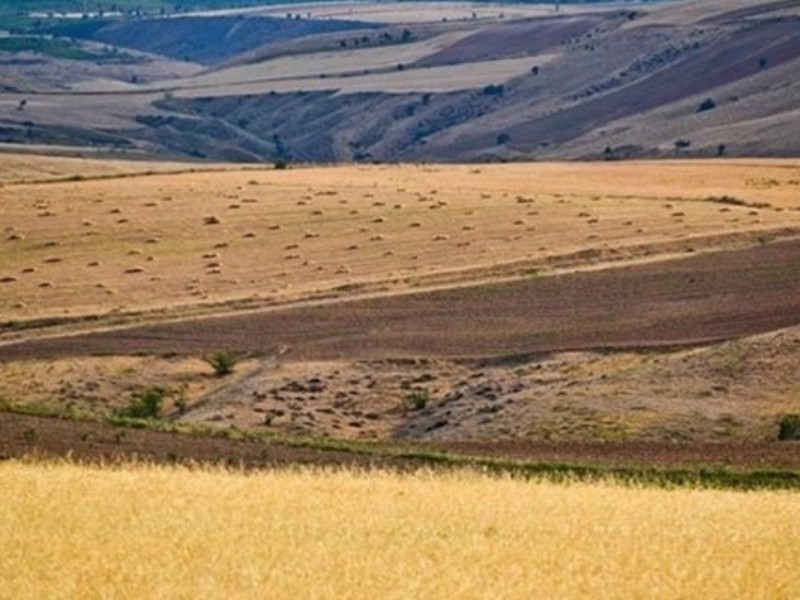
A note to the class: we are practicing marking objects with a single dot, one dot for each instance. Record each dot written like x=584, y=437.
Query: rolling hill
x=409, y=82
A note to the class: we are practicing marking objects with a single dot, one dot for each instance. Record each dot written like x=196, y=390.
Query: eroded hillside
x=410, y=82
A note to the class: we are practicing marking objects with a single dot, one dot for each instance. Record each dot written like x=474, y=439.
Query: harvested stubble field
x=72, y=531
x=100, y=246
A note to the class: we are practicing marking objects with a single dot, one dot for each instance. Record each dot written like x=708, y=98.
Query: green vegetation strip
x=51, y=47
x=706, y=477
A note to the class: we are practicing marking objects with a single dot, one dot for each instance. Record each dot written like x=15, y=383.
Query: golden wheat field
x=69, y=531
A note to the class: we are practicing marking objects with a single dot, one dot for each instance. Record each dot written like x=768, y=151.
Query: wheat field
x=70, y=531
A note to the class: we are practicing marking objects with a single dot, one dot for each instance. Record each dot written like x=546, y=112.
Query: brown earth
x=702, y=298
x=45, y=437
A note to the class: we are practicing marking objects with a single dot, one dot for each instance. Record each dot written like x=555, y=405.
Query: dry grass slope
x=69, y=531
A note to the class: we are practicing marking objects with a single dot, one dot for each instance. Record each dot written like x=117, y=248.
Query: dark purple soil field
x=513, y=39
x=739, y=56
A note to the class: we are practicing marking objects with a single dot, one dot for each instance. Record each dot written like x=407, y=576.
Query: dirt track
x=45, y=437
x=697, y=299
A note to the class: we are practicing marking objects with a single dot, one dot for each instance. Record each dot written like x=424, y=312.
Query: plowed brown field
x=45, y=437
x=693, y=300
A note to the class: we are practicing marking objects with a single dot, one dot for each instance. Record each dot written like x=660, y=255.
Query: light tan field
x=448, y=78
x=102, y=110
x=322, y=63
x=36, y=168
x=174, y=241
x=426, y=79
x=82, y=532
x=398, y=12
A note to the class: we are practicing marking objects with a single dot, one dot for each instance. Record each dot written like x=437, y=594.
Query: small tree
x=416, y=400
x=682, y=145
x=145, y=404
x=494, y=90
x=789, y=428
x=707, y=104
x=223, y=362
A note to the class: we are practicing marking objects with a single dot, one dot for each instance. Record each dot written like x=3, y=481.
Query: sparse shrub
x=181, y=402
x=789, y=428
x=727, y=200
x=145, y=404
x=416, y=400
x=494, y=90
x=223, y=362
x=503, y=138
x=31, y=435
x=281, y=164
x=682, y=144
x=707, y=104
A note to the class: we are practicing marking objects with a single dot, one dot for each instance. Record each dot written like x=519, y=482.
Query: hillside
x=433, y=82
x=652, y=301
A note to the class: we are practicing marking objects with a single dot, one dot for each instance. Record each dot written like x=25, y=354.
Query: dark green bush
x=223, y=362
x=707, y=104
x=145, y=404
x=789, y=428
x=416, y=400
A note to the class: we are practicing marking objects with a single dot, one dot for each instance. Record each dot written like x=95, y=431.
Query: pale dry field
x=398, y=12
x=133, y=532
x=112, y=111
x=34, y=168
x=320, y=63
x=176, y=241
x=448, y=78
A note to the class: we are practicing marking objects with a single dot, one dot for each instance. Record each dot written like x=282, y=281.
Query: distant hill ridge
x=423, y=81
